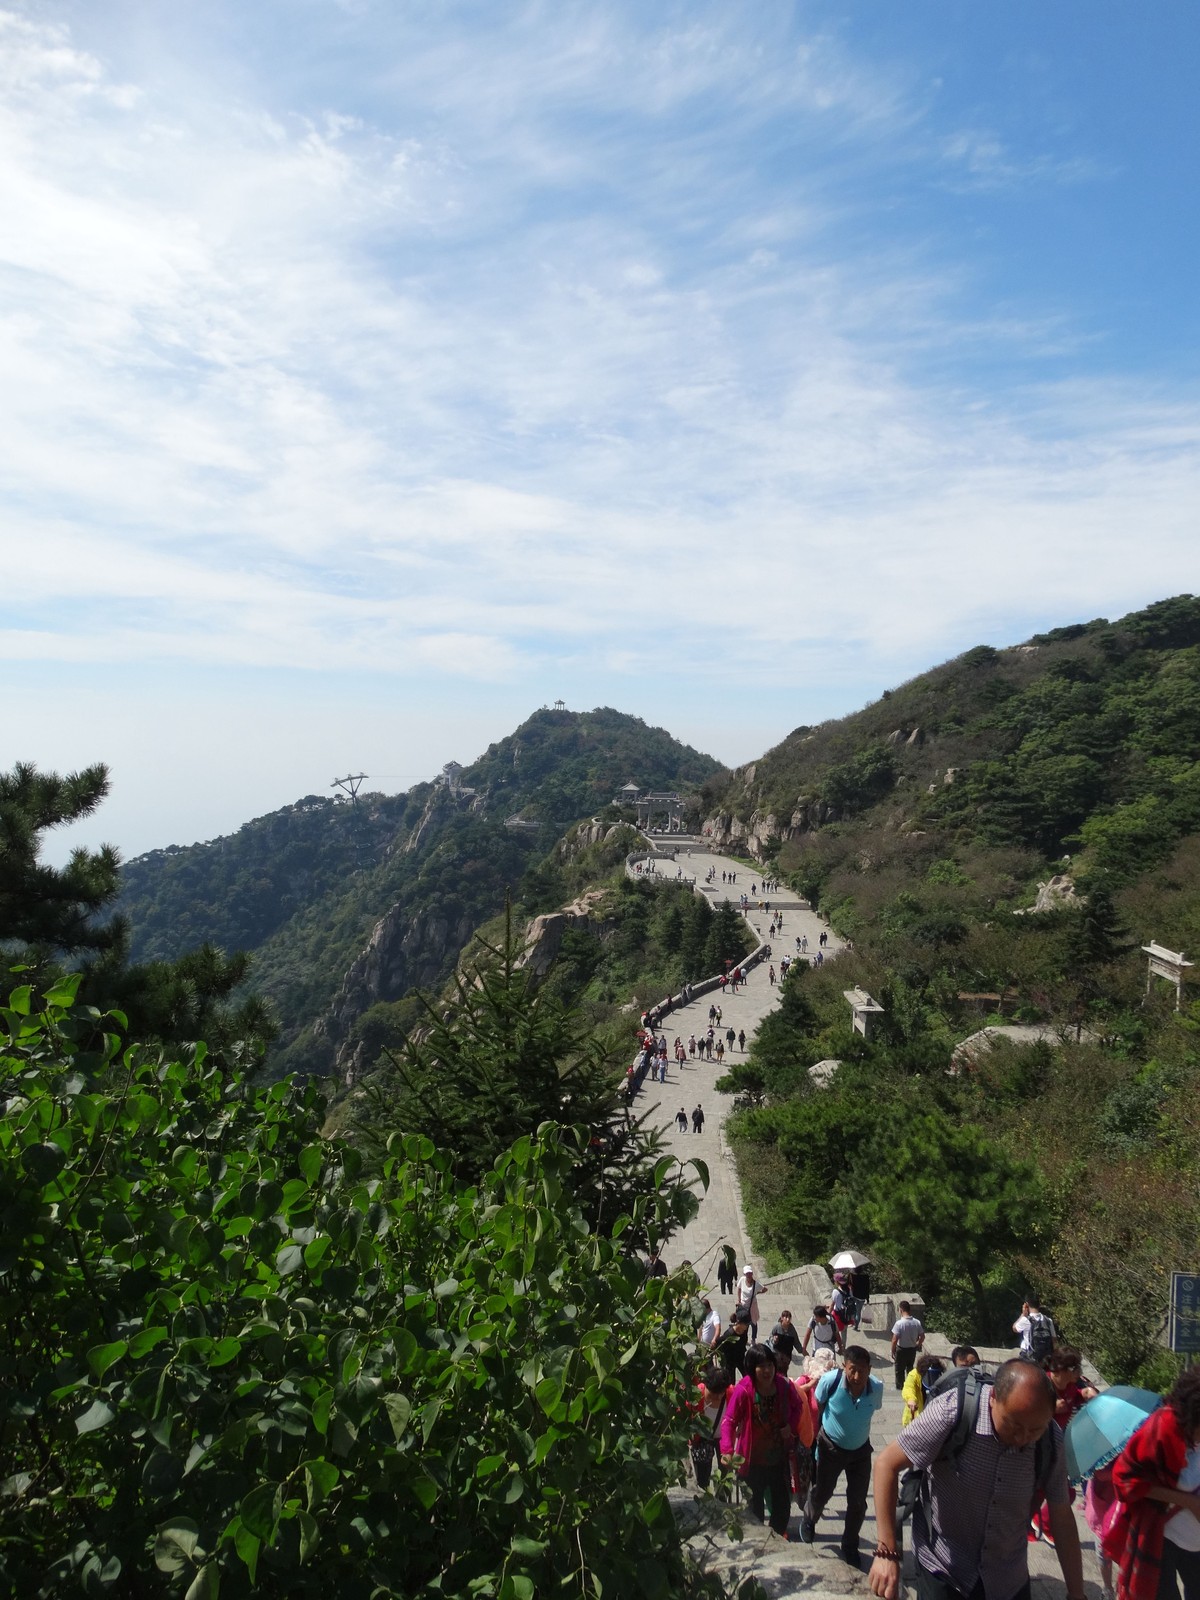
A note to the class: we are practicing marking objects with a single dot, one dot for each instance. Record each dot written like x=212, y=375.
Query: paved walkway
x=720, y=1219
x=784, y=1569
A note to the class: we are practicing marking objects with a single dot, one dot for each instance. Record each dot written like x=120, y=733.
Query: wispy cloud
x=448, y=354
x=981, y=159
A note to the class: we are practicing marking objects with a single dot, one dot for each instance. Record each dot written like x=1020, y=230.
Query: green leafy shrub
x=237, y=1362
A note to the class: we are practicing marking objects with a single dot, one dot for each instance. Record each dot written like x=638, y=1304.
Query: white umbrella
x=847, y=1260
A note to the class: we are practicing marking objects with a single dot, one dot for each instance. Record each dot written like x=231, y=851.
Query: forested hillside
x=305, y=888
x=923, y=827
x=624, y=945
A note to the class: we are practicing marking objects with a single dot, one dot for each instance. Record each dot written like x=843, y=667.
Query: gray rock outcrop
x=544, y=935
x=1055, y=892
x=404, y=952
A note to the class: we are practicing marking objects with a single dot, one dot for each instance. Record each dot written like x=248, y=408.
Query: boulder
x=1057, y=891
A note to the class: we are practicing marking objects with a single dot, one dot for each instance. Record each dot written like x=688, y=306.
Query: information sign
x=1183, y=1330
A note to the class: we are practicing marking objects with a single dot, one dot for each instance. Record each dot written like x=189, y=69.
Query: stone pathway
x=783, y=1568
x=720, y=1218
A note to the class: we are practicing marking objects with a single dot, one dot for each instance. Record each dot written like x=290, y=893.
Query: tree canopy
x=239, y=1360
x=49, y=910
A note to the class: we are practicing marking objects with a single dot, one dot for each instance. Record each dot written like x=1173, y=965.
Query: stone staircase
x=788, y=1567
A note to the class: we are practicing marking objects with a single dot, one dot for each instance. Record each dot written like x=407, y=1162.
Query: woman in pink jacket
x=760, y=1426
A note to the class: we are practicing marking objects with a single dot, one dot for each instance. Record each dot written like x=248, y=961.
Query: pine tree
x=51, y=909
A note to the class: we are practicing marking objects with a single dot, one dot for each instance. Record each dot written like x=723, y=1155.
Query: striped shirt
x=981, y=1502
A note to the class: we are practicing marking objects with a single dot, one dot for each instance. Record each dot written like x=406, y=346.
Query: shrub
x=235, y=1362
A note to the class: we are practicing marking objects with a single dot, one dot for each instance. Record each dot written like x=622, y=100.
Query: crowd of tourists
x=978, y=1470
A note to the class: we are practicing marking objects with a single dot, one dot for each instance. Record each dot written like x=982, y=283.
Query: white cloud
x=563, y=340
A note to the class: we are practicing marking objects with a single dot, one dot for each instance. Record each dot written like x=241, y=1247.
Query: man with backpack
x=1037, y=1333
x=977, y=1465
x=847, y=1398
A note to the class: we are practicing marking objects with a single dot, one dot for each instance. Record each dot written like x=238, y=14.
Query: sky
x=375, y=372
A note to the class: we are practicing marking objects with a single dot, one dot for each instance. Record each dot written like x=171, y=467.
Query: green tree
x=805, y=1148
x=860, y=782
x=1095, y=937
x=727, y=941
x=235, y=1363
x=942, y=1200
x=507, y=1054
x=53, y=909
x=179, y=1001
x=48, y=916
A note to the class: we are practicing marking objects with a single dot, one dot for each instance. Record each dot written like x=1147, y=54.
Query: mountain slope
x=1083, y=737
x=306, y=888
x=998, y=838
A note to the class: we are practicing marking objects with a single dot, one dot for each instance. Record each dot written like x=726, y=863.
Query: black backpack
x=1041, y=1339
x=969, y=1383
x=823, y=1405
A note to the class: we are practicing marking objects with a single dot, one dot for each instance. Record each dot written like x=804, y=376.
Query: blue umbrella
x=1099, y=1432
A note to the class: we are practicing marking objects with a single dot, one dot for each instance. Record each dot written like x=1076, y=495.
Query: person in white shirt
x=908, y=1335
x=747, y=1296
x=1037, y=1333
x=710, y=1328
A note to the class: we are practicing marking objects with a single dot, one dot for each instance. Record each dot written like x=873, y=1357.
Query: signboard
x=1183, y=1329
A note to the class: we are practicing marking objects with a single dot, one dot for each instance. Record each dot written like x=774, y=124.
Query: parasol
x=1099, y=1432
x=847, y=1260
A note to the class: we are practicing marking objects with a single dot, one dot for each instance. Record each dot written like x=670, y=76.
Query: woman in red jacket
x=761, y=1425
x=1157, y=1479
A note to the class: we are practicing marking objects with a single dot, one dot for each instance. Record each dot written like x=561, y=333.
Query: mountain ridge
x=305, y=888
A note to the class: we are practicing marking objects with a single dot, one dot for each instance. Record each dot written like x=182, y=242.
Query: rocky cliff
x=404, y=952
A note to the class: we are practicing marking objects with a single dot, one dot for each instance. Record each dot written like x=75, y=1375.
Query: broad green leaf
x=407, y=1349
x=309, y=1534
x=548, y=1393
x=98, y=1415
x=206, y=1585
x=247, y=1545
x=430, y=1412
x=223, y=1352
x=309, y=1161
x=315, y=1253
x=258, y=1513
x=161, y=1474
x=399, y=1409
x=342, y=1434
x=143, y=1342
x=653, y=1508
x=176, y=1545
x=103, y=1356
x=43, y=1162
x=19, y=999
x=320, y=1409
x=289, y=1259
x=529, y=1548
x=701, y=1169
x=62, y=994
x=425, y=1489
x=320, y=1477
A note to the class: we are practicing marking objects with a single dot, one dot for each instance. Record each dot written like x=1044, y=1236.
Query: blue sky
x=375, y=373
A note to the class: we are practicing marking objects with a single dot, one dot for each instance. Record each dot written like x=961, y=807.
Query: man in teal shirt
x=847, y=1399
